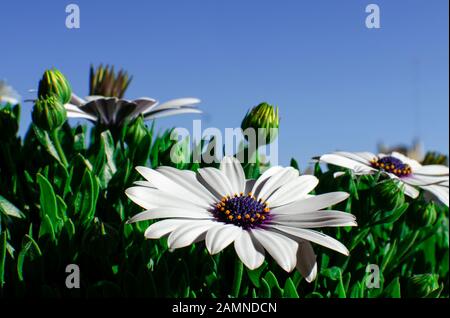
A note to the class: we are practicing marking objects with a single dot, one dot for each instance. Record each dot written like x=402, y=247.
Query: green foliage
x=62, y=202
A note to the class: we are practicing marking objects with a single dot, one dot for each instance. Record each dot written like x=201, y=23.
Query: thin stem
x=59, y=149
x=238, y=271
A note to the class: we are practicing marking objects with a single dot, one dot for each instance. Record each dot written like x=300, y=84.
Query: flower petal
x=187, y=179
x=170, y=112
x=215, y=181
x=441, y=192
x=327, y=218
x=249, y=250
x=294, y=190
x=313, y=203
x=281, y=248
x=164, y=227
x=164, y=213
x=186, y=234
x=276, y=181
x=220, y=236
x=313, y=236
x=341, y=161
x=306, y=261
x=232, y=168
x=149, y=198
x=435, y=170
x=166, y=184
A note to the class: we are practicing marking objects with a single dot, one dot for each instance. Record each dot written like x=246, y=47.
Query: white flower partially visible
x=114, y=111
x=273, y=214
x=8, y=94
x=411, y=174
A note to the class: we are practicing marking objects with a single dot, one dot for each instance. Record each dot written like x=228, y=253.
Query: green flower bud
x=262, y=116
x=9, y=121
x=435, y=158
x=136, y=131
x=388, y=194
x=423, y=214
x=48, y=113
x=422, y=285
x=54, y=83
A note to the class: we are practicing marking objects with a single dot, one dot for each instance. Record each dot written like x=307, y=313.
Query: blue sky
x=338, y=84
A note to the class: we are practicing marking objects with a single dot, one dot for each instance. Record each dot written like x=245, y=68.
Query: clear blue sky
x=338, y=84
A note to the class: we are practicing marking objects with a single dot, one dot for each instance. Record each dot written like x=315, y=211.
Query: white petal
x=410, y=191
x=315, y=237
x=164, y=213
x=215, y=181
x=276, y=181
x=249, y=184
x=420, y=179
x=433, y=170
x=313, y=203
x=171, y=112
x=327, y=218
x=281, y=248
x=264, y=177
x=186, y=234
x=441, y=192
x=232, y=168
x=167, y=185
x=164, y=227
x=188, y=180
x=345, y=162
x=149, y=198
x=293, y=190
x=179, y=102
x=249, y=250
x=306, y=261
x=220, y=236
x=361, y=157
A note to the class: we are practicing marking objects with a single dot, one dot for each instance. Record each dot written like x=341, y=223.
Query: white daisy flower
x=431, y=178
x=8, y=94
x=112, y=111
x=273, y=213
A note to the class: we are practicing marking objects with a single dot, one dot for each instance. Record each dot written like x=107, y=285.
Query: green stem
x=238, y=271
x=59, y=149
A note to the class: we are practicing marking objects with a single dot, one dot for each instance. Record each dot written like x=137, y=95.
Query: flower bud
x=423, y=214
x=422, y=285
x=48, y=113
x=388, y=194
x=9, y=121
x=54, y=83
x=435, y=158
x=264, y=120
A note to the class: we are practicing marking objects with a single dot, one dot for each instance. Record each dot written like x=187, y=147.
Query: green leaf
x=255, y=274
x=3, y=244
x=10, y=209
x=393, y=289
x=44, y=139
x=289, y=289
x=105, y=166
x=264, y=290
x=46, y=228
x=47, y=199
x=30, y=249
x=275, y=288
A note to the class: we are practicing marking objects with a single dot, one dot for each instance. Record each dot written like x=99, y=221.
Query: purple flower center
x=392, y=165
x=242, y=210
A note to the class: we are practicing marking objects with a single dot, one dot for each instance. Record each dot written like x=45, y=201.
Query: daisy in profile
x=273, y=214
x=106, y=105
x=8, y=94
x=410, y=173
